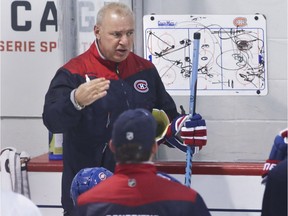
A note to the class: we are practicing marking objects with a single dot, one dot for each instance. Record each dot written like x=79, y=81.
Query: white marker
x=87, y=78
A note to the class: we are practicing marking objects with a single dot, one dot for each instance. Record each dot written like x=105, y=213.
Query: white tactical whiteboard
x=232, y=53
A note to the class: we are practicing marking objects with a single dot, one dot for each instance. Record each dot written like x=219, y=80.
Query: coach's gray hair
x=116, y=7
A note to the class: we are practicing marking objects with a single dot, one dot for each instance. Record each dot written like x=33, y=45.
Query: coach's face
x=115, y=36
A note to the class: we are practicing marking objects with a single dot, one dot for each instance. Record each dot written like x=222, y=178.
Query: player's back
x=137, y=190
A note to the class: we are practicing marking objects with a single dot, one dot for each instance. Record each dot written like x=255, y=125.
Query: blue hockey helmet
x=87, y=178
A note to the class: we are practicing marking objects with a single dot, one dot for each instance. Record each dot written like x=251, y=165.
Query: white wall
x=239, y=128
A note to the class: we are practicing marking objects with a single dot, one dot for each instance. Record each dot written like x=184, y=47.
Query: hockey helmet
x=86, y=179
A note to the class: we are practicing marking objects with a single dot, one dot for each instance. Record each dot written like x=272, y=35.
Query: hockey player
x=275, y=178
x=277, y=154
x=86, y=179
x=135, y=188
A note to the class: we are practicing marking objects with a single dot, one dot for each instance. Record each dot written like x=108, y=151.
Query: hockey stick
x=193, y=90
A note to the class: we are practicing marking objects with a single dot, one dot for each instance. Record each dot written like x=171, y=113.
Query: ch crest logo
x=102, y=176
x=141, y=86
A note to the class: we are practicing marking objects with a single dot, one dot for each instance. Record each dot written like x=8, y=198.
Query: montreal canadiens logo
x=102, y=176
x=240, y=21
x=141, y=86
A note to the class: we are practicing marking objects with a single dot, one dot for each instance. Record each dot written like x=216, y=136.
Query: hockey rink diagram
x=232, y=54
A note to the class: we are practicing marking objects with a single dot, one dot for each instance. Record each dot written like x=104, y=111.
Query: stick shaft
x=193, y=91
x=193, y=77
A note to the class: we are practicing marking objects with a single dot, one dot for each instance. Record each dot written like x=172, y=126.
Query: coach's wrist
x=74, y=101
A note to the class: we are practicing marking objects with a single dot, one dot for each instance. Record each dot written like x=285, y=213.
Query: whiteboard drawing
x=232, y=55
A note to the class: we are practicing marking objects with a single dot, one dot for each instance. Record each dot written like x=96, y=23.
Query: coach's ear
x=111, y=146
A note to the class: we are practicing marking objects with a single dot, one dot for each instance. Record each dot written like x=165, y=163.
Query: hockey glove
x=277, y=154
x=166, y=131
x=184, y=131
x=194, y=131
x=162, y=124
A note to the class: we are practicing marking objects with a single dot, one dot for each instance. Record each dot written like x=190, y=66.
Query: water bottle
x=55, y=146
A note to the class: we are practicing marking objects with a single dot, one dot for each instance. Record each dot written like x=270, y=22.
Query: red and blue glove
x=185, y=130
x=194, y=131
x=277, y=154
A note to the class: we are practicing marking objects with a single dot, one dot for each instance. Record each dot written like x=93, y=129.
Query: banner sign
x=30, y=54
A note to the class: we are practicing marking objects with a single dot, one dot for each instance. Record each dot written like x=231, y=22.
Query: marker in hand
x=87, y=78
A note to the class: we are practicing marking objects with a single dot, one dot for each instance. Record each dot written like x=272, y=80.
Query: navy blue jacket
x=275, y=196
x=87, y=132
x=135, y=189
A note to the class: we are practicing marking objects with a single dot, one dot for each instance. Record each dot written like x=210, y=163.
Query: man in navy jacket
x=89, y=92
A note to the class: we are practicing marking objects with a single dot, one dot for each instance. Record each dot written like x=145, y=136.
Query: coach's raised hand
x=91, y=91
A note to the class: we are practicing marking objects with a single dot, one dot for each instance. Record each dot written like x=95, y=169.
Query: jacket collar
x=133, y=168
